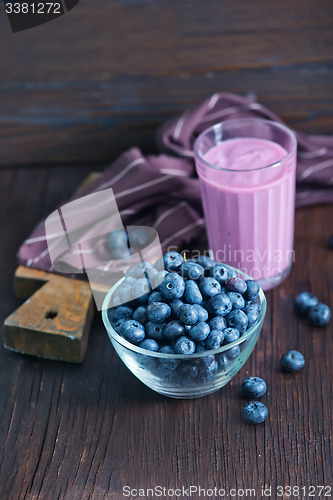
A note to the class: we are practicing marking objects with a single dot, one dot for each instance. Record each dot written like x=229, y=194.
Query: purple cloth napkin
x=163, y=192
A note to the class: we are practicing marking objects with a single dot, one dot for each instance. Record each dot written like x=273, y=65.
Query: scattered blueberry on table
x=318, y=314
x=253, y=387
x=292, y=361
x=254, y=412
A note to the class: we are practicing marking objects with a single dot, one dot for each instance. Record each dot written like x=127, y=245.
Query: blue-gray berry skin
x=206, y=262
x=222, y=360
x=167, y=364
x=230, y=335
x=319, y=315
x=187, y=371
x=236, y=284
x=233, y=352
x=175, y=305
x=155, y=331
x=209, y=287
x=253, y=387
x=132, y=331
x=220, y=305
x=304, y=301
x=155, y=296
x=192, y=293
x=192, y=271
x=207, y=370
x=140, y=314
x=252, y=290
x=188, y=314
x=115, y=313
x=217, y=323
x=158, y=312
x=252, y=316
x=117, y=239
x=292, y=361
x=214, y=339
x=172, y=287
x=138, y=237
x=202, y=312
x=149, y=345
x=172, y=261
x=237, y=300
x=199, y=332
x=220, y=273
x=173, y=330
x=238, y=319
x=184, y=345
x=118, y=324
x=254, y=412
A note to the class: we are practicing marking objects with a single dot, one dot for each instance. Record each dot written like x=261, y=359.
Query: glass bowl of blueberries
x=184, y=328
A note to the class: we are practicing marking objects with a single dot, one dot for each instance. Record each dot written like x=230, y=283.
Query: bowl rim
x=139, y=350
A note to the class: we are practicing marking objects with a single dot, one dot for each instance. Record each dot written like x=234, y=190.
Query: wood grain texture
x=101, y=78
x=83, y=432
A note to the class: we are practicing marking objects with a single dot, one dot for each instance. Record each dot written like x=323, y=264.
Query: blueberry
x=253, y=387
x=158, y=312
x=222, y=360
x=138, y=237
x=254, y=412
x=238, y=319
x=220, y=273
x=206, y=360
x=119, y=312
x=155, y=331
x=217, y=323
x=184, y=345
x=230, y=335
x=207, y=371
x=206, y=262
x=252, y=290
x=292, y=361
x=236, y=284
x=252, y=305
x=233, y=352
x=237, y=300
x=172, y=261
x=175, y=305
x=173, y=330
x=155, y=296
x=304, y=301
x=220, y=305
x=209, y=287
x=187, y=371
x=172, y=287
x=118, y=324
x=167, y=364
x=132, y=331
x=150, y=345
x=122, y=295
x=137, y=271
x=252, y=316
x=117, y=239
x=140, y=314
x=319, y=315
x=214, y=339
x=192, y=293
x=188, y=314
x=192, y=271
x=141, y=290
x=202, y=312
x=199, y=332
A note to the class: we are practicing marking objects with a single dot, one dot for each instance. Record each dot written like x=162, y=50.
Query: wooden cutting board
x=55, y=319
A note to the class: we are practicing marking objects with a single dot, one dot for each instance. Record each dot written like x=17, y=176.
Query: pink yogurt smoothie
x=249, y=206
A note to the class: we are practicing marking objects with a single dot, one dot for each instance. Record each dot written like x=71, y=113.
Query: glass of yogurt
x=246, y=169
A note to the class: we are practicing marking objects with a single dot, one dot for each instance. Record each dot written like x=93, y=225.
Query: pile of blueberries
x=185, y=308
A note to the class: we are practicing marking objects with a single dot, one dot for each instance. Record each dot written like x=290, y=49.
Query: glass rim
x=234, y=121
x=139, y=350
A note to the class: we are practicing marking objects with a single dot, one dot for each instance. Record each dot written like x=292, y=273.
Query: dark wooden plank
x=85, y=431
x=93, y=123
x=100, y=79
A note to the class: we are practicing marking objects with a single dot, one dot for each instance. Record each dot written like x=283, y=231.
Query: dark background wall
x=98, y=80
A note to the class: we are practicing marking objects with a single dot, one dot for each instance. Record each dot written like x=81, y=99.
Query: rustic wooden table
x=73, y=94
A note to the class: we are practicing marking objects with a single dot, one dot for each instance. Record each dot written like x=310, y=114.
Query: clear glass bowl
x=182, y=376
